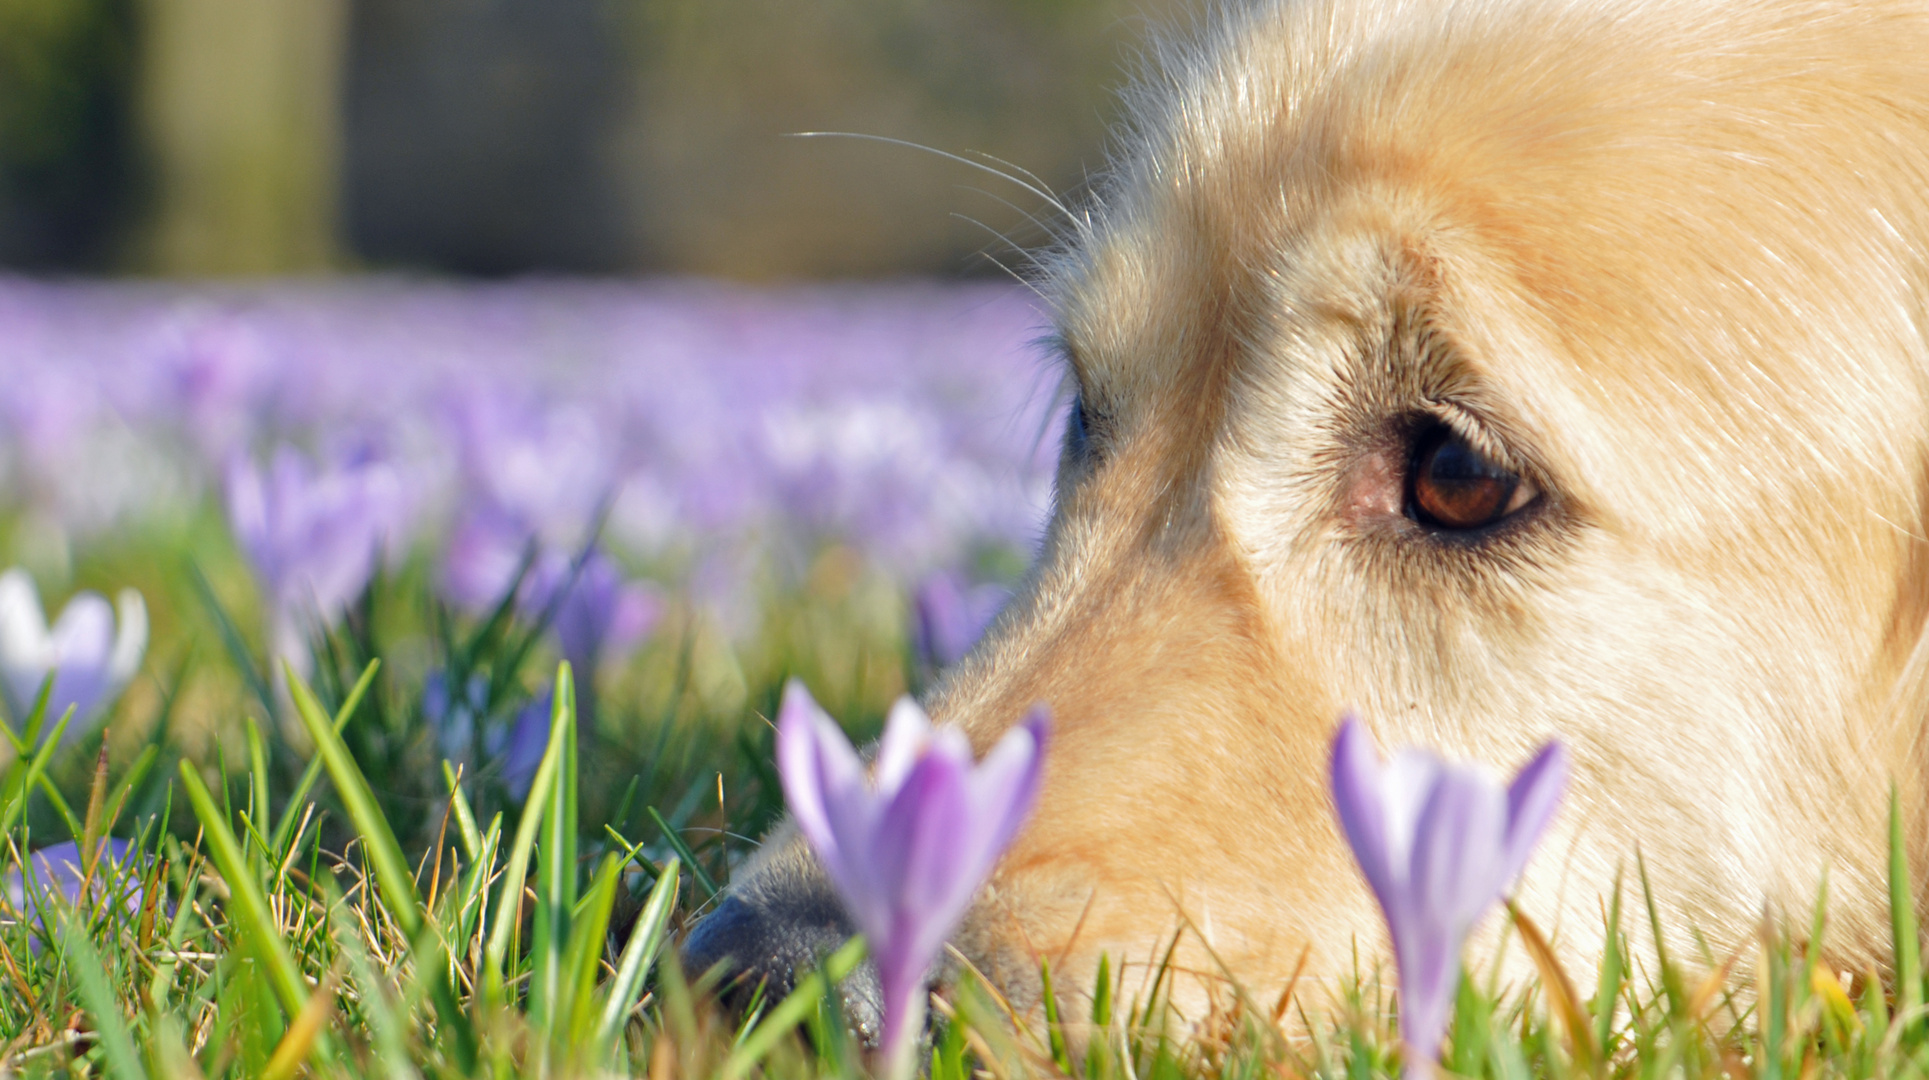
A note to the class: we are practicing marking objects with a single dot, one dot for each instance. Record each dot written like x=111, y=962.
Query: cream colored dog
x=1499, y=369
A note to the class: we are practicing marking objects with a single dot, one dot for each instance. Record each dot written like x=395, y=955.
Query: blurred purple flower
x=950, y=616
x=518, y=750
x=481, y=558
x=531, y=476
x=909, y=848
x=92, y=660
x=602, y=612
x=313, y=536
x=54, y=876
x=1438, y=843
x=453, y=717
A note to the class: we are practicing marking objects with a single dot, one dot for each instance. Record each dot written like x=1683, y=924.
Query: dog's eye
x=1454, y=486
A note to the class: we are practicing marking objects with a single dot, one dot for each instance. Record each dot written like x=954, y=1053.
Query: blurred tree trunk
x=241, y=115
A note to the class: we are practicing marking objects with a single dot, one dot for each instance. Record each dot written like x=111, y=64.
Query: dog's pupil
x=1457, y=487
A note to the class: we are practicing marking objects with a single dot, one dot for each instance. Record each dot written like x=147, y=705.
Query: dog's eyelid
x=1479, y=434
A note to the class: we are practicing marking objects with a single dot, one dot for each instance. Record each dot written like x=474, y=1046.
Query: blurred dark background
x=500, y=137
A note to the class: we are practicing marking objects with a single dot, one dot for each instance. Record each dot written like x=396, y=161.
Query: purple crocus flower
x=54, y=876
x=951, y=615
x=909, y=848
x=1438, y=843
x=90, y=657
x=312, y=535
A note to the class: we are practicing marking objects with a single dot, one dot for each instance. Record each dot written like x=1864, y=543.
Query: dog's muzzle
x=772, y=929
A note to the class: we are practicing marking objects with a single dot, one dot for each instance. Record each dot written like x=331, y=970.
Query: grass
x=318, y=893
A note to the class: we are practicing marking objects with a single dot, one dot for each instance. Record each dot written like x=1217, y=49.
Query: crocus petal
x=907, y=732
x=1356, y=796
x=83, y=637
x=130, y=638
x=818, y=768
x=1004, y=787
x=26, y=648
x=1532, y=800
x=923, y=841
x=84, y=633
x=1456, y=850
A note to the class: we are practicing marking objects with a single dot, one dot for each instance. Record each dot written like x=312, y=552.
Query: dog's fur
x=1666, y=260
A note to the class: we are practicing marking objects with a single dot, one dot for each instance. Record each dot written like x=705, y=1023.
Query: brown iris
x=1454, y=486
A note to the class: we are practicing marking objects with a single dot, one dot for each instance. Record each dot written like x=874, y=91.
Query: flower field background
x=392, y=674
x=690, y=490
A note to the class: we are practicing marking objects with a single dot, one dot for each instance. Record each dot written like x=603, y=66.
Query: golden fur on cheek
x=1660, y=261
x=1665, y=260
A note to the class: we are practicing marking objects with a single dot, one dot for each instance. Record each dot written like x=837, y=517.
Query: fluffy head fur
x=1665, y=260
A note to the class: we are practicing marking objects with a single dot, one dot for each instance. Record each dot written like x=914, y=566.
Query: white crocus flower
x=92, y=659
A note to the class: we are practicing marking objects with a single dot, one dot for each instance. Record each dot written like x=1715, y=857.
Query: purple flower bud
x=92, y=659
x=1438, y=843
x=909, y=848
x=312, y=535
x=950, y=616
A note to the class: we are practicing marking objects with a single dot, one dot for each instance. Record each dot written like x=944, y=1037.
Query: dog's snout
x=773, y=942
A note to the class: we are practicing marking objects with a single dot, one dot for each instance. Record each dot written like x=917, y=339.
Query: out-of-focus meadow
x=405, y=349
x=350, y=318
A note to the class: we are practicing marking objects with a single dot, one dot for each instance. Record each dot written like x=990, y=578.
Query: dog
x=1496, y=371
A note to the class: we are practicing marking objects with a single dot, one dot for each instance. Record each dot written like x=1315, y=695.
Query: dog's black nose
x=774, y=942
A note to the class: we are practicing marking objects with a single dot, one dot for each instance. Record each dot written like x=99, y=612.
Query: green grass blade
x=258, y=813
x=402, y=901
x=1902, y=920
x=1671, y=984
x=470, y=912
x=231, y=638
x=782, y=1020
x=299, y=797
x=385, y=856
x=517, y=870
x=683, y=852
x=163, y=983
x=247, y=907
x=385, y=1023
x=555, y=863
x=582, y=957
x=35, y=775
x=1607, y=992
x=465, y=816
x=1054, y=1025
x=633, y=967
x=136, y=775
x=90, y=977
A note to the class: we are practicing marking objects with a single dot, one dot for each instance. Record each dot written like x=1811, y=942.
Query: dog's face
x=1499, y=371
